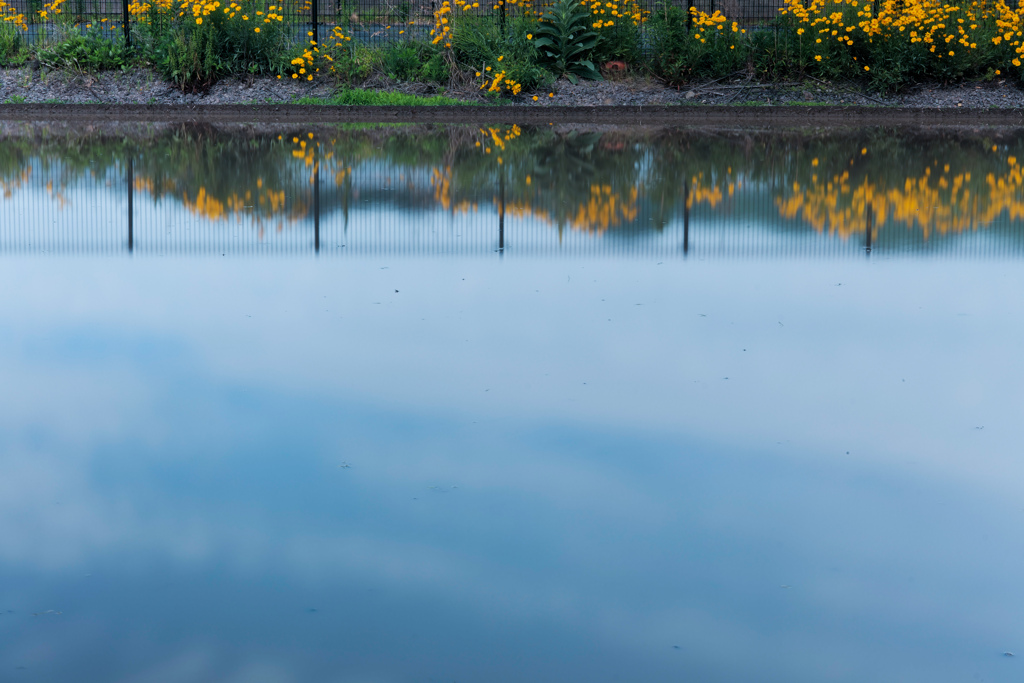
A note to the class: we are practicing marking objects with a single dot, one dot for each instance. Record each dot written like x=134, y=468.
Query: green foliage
x=194, y=55
x=565, y=41
x=351, y=62
x=400, y=61
x=682, y=53
x=436, y=69
x=88, y=52
x=478, y=42
x=622, y=39
x=10, y=42
x=893, y=61
x=373, y=98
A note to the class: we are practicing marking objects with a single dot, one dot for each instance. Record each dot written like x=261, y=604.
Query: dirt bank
x=693, y=115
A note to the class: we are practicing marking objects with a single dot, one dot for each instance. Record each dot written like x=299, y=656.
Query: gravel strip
x=32, y=84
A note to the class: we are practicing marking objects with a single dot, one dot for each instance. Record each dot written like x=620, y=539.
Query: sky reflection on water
x=429, y=468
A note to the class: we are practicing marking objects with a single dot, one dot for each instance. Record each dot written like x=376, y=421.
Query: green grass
x=355, y=97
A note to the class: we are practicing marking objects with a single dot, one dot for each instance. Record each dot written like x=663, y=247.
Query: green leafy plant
x=10, y=42
x=195, y=48
x=564, y=41
x=685, y=48
x=89, y=52
x=350, y=62
x=479, y=42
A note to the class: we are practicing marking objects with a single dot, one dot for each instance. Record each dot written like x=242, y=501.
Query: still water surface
x=625, y=406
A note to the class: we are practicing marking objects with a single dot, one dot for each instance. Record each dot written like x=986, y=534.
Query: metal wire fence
x=375, y=23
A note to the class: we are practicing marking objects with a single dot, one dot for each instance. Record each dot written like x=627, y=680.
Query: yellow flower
x=867, y=68
x=257, y=29
x=501, y=57
x=295, y=75
x=551, y=94
x=529, y=36
x=309, y=77
x=534, y=98
x=199, y=20
x=817, y=58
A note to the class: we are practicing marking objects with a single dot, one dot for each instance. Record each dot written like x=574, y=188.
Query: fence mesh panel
x=374, y=23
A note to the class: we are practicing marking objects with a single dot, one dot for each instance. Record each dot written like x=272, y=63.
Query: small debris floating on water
x=1008, y=654
x=49, y=611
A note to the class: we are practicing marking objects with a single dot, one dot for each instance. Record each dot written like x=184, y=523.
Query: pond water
x=510, y=404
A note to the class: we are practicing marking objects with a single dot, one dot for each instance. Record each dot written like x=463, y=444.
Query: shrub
x=895, y=41
x=565, y=41
x=504, y=62
x=195, y=42
x=618, y=24
x=12, y=26
x=91, y=51
x=705, y=46
x=348, y=62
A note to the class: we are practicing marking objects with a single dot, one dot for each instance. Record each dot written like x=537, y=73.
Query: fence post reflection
x=869, y=227
x=316, y=198
x=686, y=217
x=501, y=210
x=131, y=207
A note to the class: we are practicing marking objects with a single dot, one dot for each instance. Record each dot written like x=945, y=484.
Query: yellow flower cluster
x=716, y=24
x=496, y=81
x=10, y=14
x=442, y=30
x=49, y=8
x=446, y=14
x=305, y=66
x=605, y=12
x=941, y=27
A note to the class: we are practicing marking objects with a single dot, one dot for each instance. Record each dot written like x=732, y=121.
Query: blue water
x=284, y=470
x=445, y=423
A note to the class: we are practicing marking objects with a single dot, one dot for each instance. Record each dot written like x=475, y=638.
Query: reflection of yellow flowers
x=946, y=204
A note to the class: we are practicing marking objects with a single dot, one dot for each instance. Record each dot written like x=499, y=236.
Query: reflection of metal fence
x=384, y=212
x=372, y=22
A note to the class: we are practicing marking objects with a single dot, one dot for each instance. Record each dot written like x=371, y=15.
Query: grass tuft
x=352, y=97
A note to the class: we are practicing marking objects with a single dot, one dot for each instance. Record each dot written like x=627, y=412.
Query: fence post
x=314, y=19
x=502, y=5
x=689, y=14
x=124, y=18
